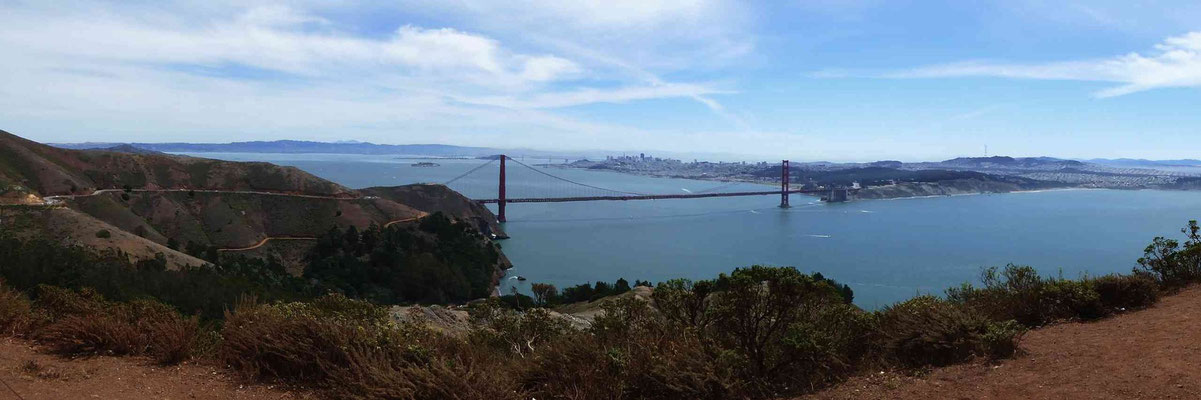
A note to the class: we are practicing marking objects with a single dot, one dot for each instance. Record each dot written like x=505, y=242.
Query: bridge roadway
x=651, y=196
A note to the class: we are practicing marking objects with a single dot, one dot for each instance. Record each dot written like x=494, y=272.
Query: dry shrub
x=927, y=330
x=630, y=352
x=57, y=302
x=16, y=312
x=86, y=324
x=352, y=350
x=574, y=368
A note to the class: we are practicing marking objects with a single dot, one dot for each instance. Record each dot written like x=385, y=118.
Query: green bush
x=1126, y=292
x=1019, y=293
x=1171, y=263
x=927, y=330
x=104, y=234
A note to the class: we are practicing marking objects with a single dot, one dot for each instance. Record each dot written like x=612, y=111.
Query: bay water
x=887, y=250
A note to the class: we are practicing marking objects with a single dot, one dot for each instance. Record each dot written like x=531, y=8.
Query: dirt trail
x=1148, y=354
x=268, y=239
x=36, y=376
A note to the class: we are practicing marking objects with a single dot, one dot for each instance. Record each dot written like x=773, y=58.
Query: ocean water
x=887, y=250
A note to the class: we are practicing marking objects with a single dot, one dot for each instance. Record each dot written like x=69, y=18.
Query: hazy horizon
x=854, y=80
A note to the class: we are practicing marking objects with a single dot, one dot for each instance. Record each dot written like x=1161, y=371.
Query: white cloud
x=1174, y=63
x=187, y=72
x=590, y=96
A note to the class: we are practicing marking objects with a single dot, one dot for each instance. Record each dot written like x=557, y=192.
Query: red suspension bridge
x=537, y=186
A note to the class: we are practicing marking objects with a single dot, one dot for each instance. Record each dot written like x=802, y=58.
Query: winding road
x=268, y=239
x=57, y=200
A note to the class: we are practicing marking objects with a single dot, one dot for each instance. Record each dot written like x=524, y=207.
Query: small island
x=425, y=164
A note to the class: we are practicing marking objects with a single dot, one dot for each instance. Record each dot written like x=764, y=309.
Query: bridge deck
x=648, y=197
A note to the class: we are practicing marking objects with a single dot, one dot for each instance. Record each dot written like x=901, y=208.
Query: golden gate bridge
x=568, y=190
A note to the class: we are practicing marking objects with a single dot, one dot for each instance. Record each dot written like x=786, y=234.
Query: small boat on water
x=425, y=164
x=520, y=278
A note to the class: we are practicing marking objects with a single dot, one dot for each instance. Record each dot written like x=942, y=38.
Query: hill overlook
x=152, y=203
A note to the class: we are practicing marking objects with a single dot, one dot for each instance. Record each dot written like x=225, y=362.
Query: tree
x=755, y=309
x=1173, y=264
x=621, y=286
x=544, y=293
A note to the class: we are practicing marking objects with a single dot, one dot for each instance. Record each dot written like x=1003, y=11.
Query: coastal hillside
x=48, y=171
x=152, y=203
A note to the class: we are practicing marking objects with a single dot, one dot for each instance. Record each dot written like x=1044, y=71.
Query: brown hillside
x=228, y=205
x=231, y=220
x=72, y=227
x=433, y=198
x=52, y=171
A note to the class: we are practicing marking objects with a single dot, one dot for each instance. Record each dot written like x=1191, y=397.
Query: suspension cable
x=469, y=172
x=574, y=182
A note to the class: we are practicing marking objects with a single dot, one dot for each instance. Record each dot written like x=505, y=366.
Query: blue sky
x=806, y=80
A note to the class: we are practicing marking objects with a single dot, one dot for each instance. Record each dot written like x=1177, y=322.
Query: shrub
x=1173, y=265
x=1063, y=298
x=352, y=350
x=1001, y=339
x=104, y=234
x=517, y=333
x=1124, y=292
x=85, y=324
x=927, y=330
x=780, y=331
x=1019, y=293
x=16, y=311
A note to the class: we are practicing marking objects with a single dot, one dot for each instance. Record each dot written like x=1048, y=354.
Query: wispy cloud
x=187, y=70
x=1176, y=62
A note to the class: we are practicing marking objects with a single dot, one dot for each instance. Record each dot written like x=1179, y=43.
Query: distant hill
x=1011, y=162
x=1144, y=163
x=296, y=146
x=47, y=171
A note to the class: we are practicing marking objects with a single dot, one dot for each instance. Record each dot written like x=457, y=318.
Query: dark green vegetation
x=437, y=261
x=205, y=291
x=757, y=332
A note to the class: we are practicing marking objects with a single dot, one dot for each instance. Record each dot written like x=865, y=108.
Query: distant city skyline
x=836, y=80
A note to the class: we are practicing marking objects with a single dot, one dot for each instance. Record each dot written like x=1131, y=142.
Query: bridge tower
x=783, y=184
x=500, y=203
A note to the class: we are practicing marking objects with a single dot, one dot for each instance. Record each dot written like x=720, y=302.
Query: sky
x=838, y=80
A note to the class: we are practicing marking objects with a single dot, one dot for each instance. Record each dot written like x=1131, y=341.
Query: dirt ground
x=34, y=375
x=1149, y=354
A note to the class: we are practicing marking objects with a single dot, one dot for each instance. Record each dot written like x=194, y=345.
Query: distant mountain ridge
x=296, y=146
